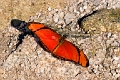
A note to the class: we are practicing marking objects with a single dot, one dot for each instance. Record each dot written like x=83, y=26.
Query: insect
x=51, y=41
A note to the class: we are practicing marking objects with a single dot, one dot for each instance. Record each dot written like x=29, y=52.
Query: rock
x=104, y=20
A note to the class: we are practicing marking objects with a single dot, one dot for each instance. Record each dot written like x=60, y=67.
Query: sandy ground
x=23, y=9
x=31, y=62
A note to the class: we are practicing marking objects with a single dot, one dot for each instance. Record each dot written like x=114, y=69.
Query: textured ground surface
x=31, y=62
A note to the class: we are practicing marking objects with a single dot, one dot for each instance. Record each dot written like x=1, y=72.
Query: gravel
x=30, y=61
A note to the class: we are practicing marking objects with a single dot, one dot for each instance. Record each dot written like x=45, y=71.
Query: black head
x=20, y=25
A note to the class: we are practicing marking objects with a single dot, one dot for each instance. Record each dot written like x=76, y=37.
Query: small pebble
x=49, y=9
x=115, y=58
x=71, y=9
x=81, y=9
x=69, y=17
x=106, y=75
x=109, y=35
x=115, y=62
x=56, y=18
x=113, y=72
x=61, y=14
